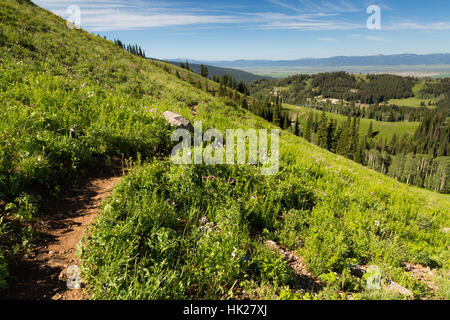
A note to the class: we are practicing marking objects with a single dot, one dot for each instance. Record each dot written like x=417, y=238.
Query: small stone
x=57, y=296
x=394, y=286
x=51, y=252
x=291, y=258
x=177, y=121
x=271, y=244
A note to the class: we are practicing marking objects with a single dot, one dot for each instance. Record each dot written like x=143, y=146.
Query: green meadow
x=384, y=129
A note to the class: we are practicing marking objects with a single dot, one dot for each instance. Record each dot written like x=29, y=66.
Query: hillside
x=236, y=74
x=72, y=101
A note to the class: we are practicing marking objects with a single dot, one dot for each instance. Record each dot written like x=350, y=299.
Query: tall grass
x=70, y=100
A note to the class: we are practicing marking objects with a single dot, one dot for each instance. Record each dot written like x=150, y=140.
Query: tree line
x=422, y=160
x=133, y=49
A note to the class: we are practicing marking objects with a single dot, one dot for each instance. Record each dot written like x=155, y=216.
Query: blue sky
x=266, y=29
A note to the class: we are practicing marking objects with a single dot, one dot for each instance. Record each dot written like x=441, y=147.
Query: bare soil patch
x=43, y=274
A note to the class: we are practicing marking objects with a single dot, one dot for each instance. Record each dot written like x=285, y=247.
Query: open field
x=412, y=102
x=384, y=129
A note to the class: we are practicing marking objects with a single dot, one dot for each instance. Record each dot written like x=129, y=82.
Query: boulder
x=395, y=287
x=177, y=121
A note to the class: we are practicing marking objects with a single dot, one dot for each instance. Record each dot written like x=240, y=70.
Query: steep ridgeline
x=71, y=100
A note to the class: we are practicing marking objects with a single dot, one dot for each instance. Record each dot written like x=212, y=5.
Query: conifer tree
x=322, y=131
x=331, y=136
x=296, y=128
x=370, y=131
x=276, y=116
x=309, y=127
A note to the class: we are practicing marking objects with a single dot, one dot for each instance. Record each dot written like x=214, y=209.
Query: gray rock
x=74, y=279
x=394, y=286
x=271, y=245
x=177, y=121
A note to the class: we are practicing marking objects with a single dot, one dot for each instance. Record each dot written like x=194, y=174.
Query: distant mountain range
x=378, y=60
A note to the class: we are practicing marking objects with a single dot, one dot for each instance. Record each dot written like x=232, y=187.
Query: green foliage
x=71, y=100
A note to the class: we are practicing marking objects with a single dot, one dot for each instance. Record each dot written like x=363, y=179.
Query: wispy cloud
x=314, y=25
x=419, y=26
x=327, y=15
x=328, y=6
x=108, y=20
x=374, y=38
x=100, y=15
x=327, y=39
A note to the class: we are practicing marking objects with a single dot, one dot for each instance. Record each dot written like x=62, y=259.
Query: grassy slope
x=320, y=204
x=414, y=102
x=237, y=75
x=385, y=129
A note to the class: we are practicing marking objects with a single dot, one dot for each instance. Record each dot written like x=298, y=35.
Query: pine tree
x=287, y=121
x=309, y=127
x=322, y=131
x=331, y=136
x=354, y=142
x=244, y=104
x=204, y=71
x=296, y=127
x=370, y=131
x=276, y=116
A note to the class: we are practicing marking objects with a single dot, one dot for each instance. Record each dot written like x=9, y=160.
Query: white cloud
x=373, y=38
x=329, y=6
x=327, y=39
x=419, y=26
x=113, y=15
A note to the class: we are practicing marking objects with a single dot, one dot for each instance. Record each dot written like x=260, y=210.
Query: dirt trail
x=43, y=274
